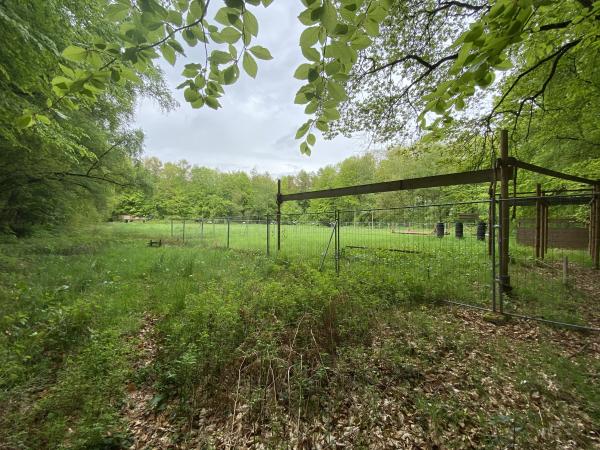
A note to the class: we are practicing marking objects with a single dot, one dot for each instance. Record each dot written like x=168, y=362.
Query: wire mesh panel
x=309, y=236
x=248, y=234
x=433, y=251
x=550, y=266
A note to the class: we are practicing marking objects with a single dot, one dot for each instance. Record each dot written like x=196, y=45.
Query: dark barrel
x=458, y=230
x=439, y=229
x=481, y=229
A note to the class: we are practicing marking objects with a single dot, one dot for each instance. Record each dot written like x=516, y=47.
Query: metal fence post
x=504, y=214
x=595, y=224
x=228, y=232
x=278, y=215
x=337, y=242
x=202, y=228
x=268, y=236
x=183, y=232
x=171, y=227
x=492, y=246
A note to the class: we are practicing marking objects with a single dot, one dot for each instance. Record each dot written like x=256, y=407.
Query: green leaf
x=176, y=46
x=175, y=18
x=312, y=107
x=168, y=53
x=311, y=139
x=198, y=103
x=250, y=23
x=191, y=95
x=249, y=65
x=361, y=42
x=303, y=129
x=197, y=8
x=309, y=37
x=231, y=74
x=336, y=91
x=304, y=149
x=322, y=125
x=42, y=118
x=230, y=35
x=261, y=52
x=220, y=57
x=311, y=54
x=116, y=12
x=228, y=16
x=333, y=67
x=301, y=72
x=329, y=18
x=67, y=71
x=212, y=102
x=25, y=121
x=331, y=114
x=74, y=53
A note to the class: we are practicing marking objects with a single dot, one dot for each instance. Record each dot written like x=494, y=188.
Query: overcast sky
x=255, y=128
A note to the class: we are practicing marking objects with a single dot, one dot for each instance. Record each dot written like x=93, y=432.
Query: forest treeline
x=183, y=190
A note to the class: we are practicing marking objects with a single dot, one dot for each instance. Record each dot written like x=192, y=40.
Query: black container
x=481, y=229
x=439, y=229
x=458, y=230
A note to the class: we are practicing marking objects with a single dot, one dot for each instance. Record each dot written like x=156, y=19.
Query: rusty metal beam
x=552, y=173
x=451, y=179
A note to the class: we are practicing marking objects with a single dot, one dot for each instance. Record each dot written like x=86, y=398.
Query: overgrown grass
x=267, y=343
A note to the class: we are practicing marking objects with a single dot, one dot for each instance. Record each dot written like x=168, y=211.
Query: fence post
x=596, y=228
x=337, y=242
x=492, y=244
x=202, y=228
x=278, y=215
x=504, y=215
x=183, y=232
x=171, y=227
x=538, y=221
x=268, y=236
x=228, y=232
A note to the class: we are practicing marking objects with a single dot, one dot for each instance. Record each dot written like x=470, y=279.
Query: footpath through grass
x=242, y=350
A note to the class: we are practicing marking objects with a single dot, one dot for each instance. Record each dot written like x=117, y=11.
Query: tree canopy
x=452, y=71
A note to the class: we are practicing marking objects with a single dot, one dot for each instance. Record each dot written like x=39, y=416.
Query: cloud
x=255, y=128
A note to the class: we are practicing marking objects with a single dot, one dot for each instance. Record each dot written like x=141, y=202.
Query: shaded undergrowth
x=253, y=349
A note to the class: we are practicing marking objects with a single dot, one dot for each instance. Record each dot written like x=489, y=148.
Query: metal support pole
x=228, y=232
x=202, y=228
x=565, y=272
x=492, y=241
x=596, y=231
x=504, y=215
x=544, y=228
x=171, y=227
x=547, y=231
x=491, y=213
x=538, y=221
x=268, y=236
x=337, y=242
x=183, y=232
x=278, y=215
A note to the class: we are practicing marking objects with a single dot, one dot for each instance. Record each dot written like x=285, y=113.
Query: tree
x=489, y=62
x=70, y=162
x=411, y=57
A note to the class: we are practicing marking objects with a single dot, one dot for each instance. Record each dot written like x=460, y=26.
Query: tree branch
x=430, y=66
x=555, y=55
x=447, y=5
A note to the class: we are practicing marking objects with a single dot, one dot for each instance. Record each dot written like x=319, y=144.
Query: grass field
x=108, y=343
x=450, y=268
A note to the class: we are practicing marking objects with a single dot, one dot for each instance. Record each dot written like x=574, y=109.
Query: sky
x=255, y=128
